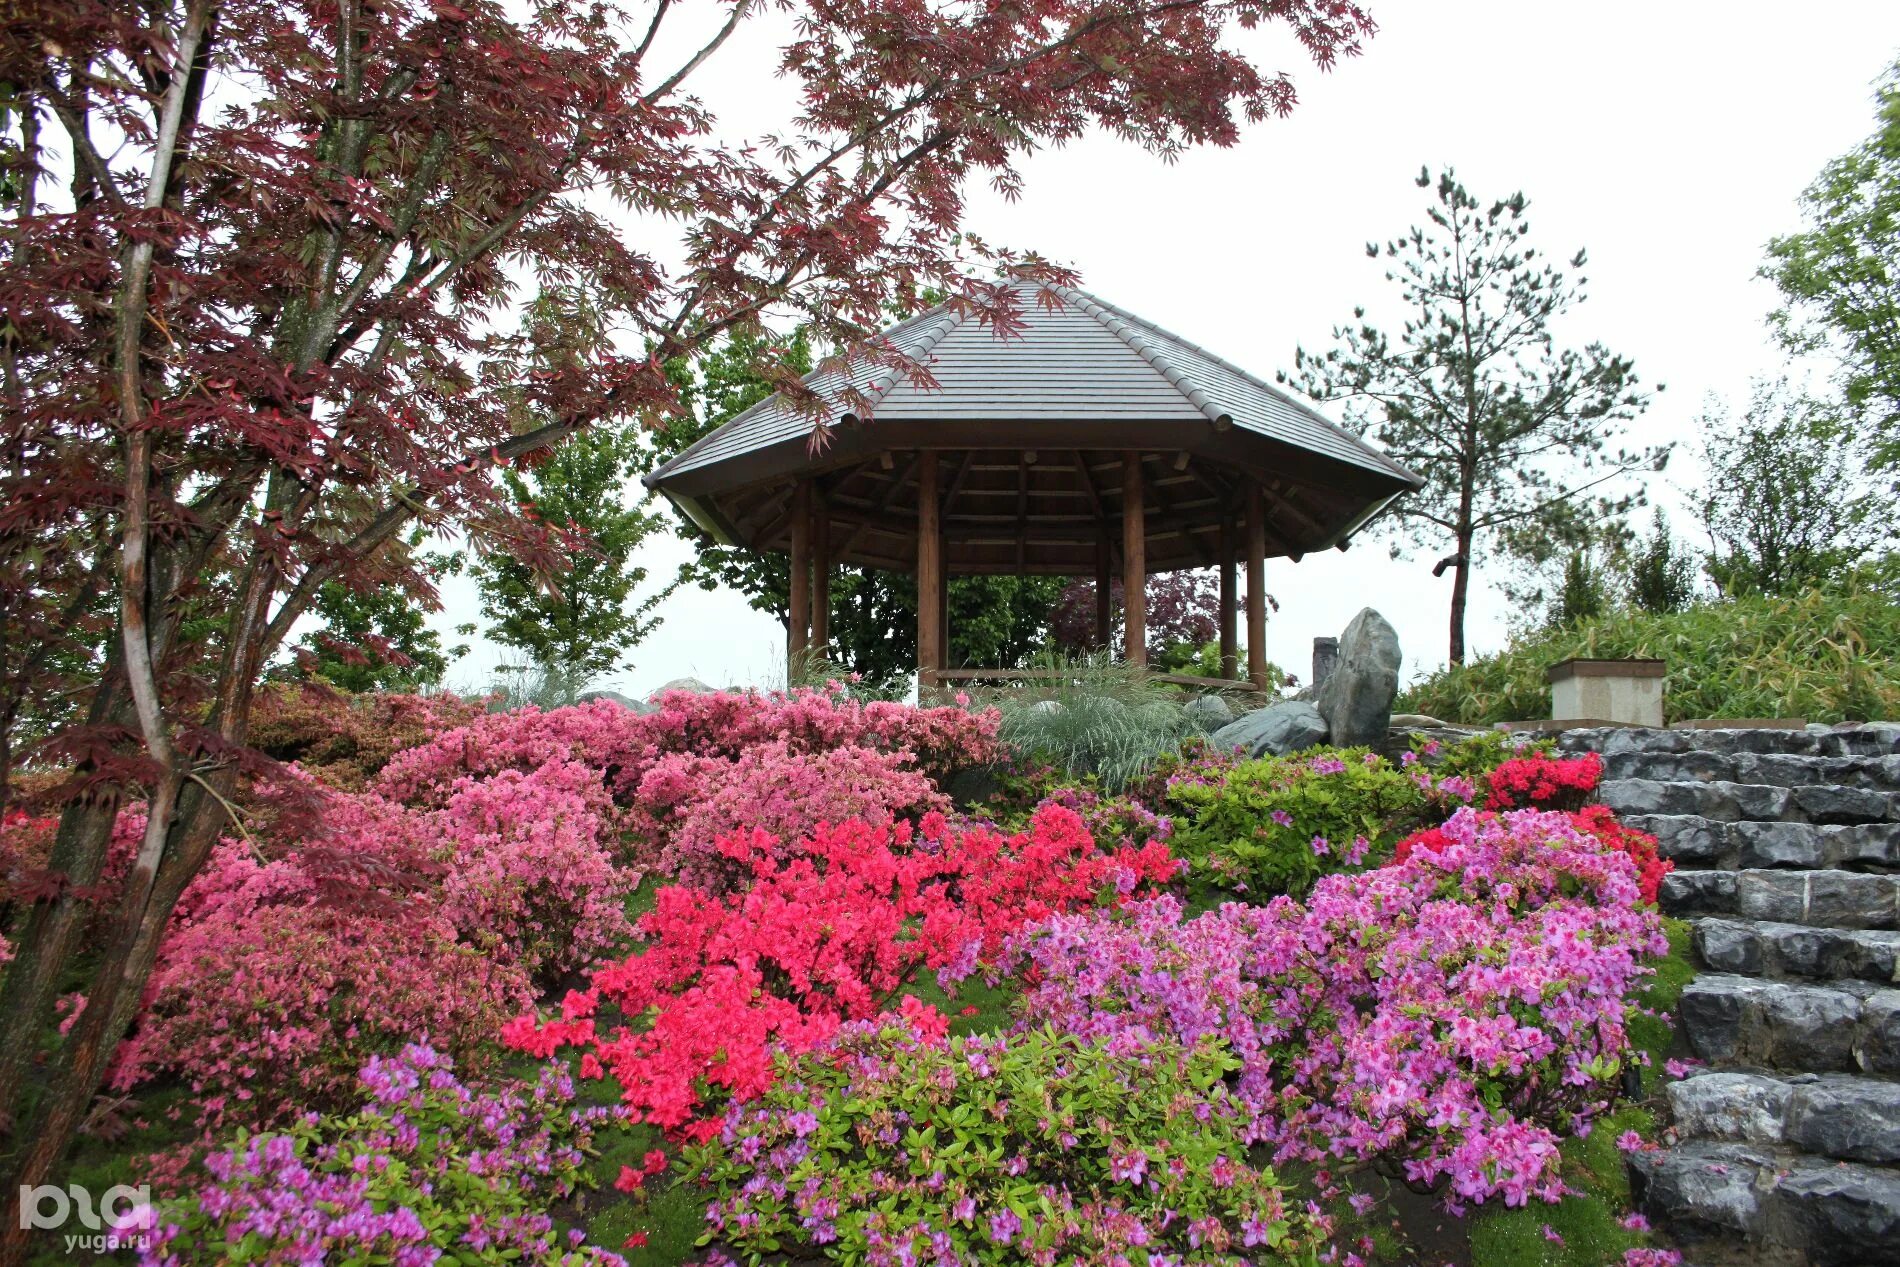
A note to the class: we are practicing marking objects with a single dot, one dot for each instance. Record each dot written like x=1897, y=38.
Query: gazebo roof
x=1082, y=377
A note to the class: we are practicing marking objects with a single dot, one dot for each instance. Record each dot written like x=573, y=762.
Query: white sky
x=1668, y=137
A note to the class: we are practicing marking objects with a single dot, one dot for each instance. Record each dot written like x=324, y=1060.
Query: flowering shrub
x=530, y=878
x=1454, y=1012
x=346, y=739
x=1544, y=782
x=264, y=998
x=428, y=1170
x=828, y=936
x=1277, y=825
x=780, y=793
x=1598, y=821
x=891, y=1147
x=625, y=744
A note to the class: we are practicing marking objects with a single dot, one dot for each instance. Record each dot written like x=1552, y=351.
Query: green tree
x=580, y=617
x=1512, y=434
x=1661, y=572
x=995, y=621
x=1788, y=505
x=376, y=637
x=1840, y=276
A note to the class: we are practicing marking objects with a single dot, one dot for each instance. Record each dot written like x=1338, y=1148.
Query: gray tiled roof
x=1086, y=360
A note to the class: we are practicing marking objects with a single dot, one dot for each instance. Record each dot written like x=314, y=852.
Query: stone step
x=1841, y=1116
x=1819, y=899
x=1835, y=1214
x=1689, y=840
x=1841, y=1027
x=1777, y=769
x=1760, y=802
x=1872, y=739
x=1762, y=948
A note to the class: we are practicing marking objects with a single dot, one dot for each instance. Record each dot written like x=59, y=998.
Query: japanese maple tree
x=263, y=264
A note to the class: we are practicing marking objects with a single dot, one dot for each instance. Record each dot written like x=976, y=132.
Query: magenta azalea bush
x=428, y=1170
x=1457, y=1013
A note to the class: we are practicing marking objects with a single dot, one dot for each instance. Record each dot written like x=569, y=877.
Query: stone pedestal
x=1620, y=692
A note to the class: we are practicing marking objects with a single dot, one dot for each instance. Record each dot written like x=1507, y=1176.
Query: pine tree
x=1510, y=432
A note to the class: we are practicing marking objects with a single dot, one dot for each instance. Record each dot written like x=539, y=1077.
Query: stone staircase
x=1787, y=849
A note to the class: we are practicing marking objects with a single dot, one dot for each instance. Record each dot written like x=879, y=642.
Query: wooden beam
x=883, y=503
x=1256, y=587
x=1229, y=658
x=821, y=574
x=1134, y=562
x=799, y=637
x=929, y=574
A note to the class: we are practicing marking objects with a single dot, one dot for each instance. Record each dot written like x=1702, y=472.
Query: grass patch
x=1824, y=656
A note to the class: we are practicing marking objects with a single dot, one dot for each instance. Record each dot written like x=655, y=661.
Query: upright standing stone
x=1325, y=655
x=1356, y=698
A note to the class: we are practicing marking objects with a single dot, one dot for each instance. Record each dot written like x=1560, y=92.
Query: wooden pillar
x=799, y=639
x=1134, y=563
x=1229, y=659
x=1256, y=588
x=943, y=602
x=1104, y=609
x=820, y=575
x=929, y=574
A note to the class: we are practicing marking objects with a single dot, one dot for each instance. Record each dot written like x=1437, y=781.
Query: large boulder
x=588, y=697
x=1208, y=712
x=1356, y=698
x=1274, y=731
x=692, y=684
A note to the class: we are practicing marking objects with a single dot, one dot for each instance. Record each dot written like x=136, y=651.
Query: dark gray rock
x=1841, y=1215
x=1738, y=1106
x=1356, y=698
x=1781, y=896
x=1850, y=1119
x=1730, y=946
x=1880, y=1036
x=1852, y=899
x=1277, y=729
x=1778, y=844
x=1691, y=893
x=1701, y=1190
x=1835, y=804
x=1209, y=712
x=1737, y=1020
x=1687, y=839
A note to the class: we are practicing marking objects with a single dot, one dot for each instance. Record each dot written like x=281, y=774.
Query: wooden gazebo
x=1091, y=443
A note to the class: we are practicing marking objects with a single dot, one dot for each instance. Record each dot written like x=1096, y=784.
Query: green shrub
x=1825, y=656
x=1036, y=1147
x=1276, y=825
x=1094, y=716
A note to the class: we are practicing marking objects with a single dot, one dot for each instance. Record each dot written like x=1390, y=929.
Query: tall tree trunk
x=1460, y=593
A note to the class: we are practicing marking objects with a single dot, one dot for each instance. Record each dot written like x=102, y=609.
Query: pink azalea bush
x=265, y=999
x=774, y=790
x=1457, y=1012
x=427, y=1170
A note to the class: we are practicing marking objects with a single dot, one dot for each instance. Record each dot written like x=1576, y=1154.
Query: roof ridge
x=884, y=380
x=1259, y=382
x=1117, y=322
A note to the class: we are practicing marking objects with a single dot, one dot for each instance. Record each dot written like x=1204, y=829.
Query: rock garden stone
x=588, y=697
x=1209, y=712
x=1356, y=698
x=1274, y=731
x=692, y=684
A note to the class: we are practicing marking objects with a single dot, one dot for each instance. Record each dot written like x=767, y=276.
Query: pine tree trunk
x=1460, y=593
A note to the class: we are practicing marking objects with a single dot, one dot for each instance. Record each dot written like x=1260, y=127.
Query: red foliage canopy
x=264, y=260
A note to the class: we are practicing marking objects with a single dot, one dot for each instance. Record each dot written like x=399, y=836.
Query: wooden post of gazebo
x=820, y=575
x=1256, y=587
x=1104, y=609
x=1134, y=563
x=1229, y=659
x=929, y=574
x=798, y=640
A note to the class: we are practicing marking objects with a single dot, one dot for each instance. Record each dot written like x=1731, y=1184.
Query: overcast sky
x=1670, y=138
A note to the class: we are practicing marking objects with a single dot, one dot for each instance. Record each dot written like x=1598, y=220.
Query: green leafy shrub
x=1276, y=825
x=1035, y=1147
x=1824, y=655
